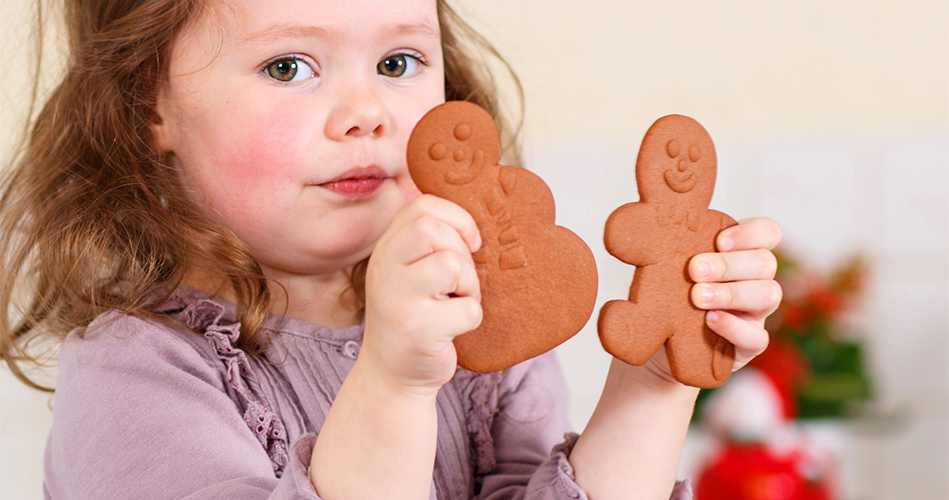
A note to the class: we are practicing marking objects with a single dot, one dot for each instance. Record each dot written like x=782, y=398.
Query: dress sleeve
x=533, y=438
x=143, y=411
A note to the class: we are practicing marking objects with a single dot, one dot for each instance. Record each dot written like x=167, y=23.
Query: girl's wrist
x=376, y=381
x=626, y=378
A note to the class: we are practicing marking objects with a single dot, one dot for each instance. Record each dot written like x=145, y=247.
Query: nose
x=358, y=112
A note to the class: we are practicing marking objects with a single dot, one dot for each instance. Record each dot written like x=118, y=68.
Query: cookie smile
x=469, y=174
x=680, y=184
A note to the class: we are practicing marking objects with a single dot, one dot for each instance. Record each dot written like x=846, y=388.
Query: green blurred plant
x=815, y=362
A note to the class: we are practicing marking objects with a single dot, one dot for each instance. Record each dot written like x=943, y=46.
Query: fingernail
x=712, y=316
x=704, y=269
x=726, y=244
x=707, y=295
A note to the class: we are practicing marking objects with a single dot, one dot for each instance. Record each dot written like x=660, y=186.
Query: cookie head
x=452, y=144
x=676, y=163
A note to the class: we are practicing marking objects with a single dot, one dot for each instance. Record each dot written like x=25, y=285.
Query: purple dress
x=147, y=409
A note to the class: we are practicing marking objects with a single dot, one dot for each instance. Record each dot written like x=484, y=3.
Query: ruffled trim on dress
x=483, y=407
x=205, y=316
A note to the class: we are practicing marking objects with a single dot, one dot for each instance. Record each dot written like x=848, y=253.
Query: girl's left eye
x=289, y=70
x=399, y=65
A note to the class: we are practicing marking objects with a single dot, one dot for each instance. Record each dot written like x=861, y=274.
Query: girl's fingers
x=733, y=266
x=749, y=234
x=420, y=237
x=758, y=298
x=456, y=316
x=428, y=206
x=748, y=338
x=448, y=274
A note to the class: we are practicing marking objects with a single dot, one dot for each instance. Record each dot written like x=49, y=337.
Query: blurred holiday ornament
x=762, y=455
x=755, y=472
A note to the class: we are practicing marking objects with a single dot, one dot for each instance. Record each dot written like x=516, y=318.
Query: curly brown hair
x=92, y=219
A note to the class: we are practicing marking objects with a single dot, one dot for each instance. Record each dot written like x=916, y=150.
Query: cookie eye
x=438, y=151
x=462, y=132
x=695, y=154
x=672, y=148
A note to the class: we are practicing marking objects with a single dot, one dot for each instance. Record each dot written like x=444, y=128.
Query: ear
x=162, y=136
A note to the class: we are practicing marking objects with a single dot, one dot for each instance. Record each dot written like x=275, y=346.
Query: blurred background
x=830, y=117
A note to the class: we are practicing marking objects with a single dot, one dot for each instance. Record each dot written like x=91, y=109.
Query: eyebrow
x=279, y=31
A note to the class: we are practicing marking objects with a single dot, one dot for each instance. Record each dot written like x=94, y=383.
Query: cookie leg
x=704, y=363
x=625, y=334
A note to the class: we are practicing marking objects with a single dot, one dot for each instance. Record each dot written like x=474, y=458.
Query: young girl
x=194, y=215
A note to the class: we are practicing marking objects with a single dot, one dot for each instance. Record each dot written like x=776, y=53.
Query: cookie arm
x=632, y=233
x=527, y=193
x=726, y=220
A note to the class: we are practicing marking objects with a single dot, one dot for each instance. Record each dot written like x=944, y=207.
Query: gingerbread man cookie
x=675, y=173
x=538, y=280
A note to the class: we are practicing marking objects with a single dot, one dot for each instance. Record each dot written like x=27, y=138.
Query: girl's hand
x=421, y=292
x=737, y=285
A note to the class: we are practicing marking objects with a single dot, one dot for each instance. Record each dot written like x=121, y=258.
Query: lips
x=359, y=182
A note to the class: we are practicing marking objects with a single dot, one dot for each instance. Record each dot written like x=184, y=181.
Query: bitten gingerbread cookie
x=675, y=173
x=538, y=280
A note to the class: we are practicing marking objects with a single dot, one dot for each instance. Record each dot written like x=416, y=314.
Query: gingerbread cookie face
x=538, y=280
x=458, y=153
x=676, y=163
x=675, y=174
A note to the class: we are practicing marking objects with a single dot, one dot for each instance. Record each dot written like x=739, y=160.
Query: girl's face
x=289, y=120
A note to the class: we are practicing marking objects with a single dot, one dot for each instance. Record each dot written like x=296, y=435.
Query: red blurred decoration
x=787, y=367
x=753, y=472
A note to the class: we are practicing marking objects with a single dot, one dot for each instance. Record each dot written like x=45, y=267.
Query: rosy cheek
x=266, y=158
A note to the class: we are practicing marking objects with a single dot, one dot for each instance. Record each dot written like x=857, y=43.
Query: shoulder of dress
x=137, y=331
x=116, y=339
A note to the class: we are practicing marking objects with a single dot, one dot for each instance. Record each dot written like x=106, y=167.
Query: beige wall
x=604, y=67
x=831, y=116
x=599, y=68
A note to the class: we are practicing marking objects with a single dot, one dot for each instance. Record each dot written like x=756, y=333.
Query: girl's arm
x=631, y=446
x=379, y=437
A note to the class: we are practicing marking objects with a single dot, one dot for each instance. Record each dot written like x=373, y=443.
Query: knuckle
x=726, y=296
x=426, y=203
x=426, y=228
x=723, y=270
x=449, y=263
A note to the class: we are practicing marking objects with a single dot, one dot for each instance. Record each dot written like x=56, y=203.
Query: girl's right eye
x=289, y=69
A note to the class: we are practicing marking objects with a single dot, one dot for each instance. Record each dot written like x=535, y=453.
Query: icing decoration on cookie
x=538, y=280
x=659, y=234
